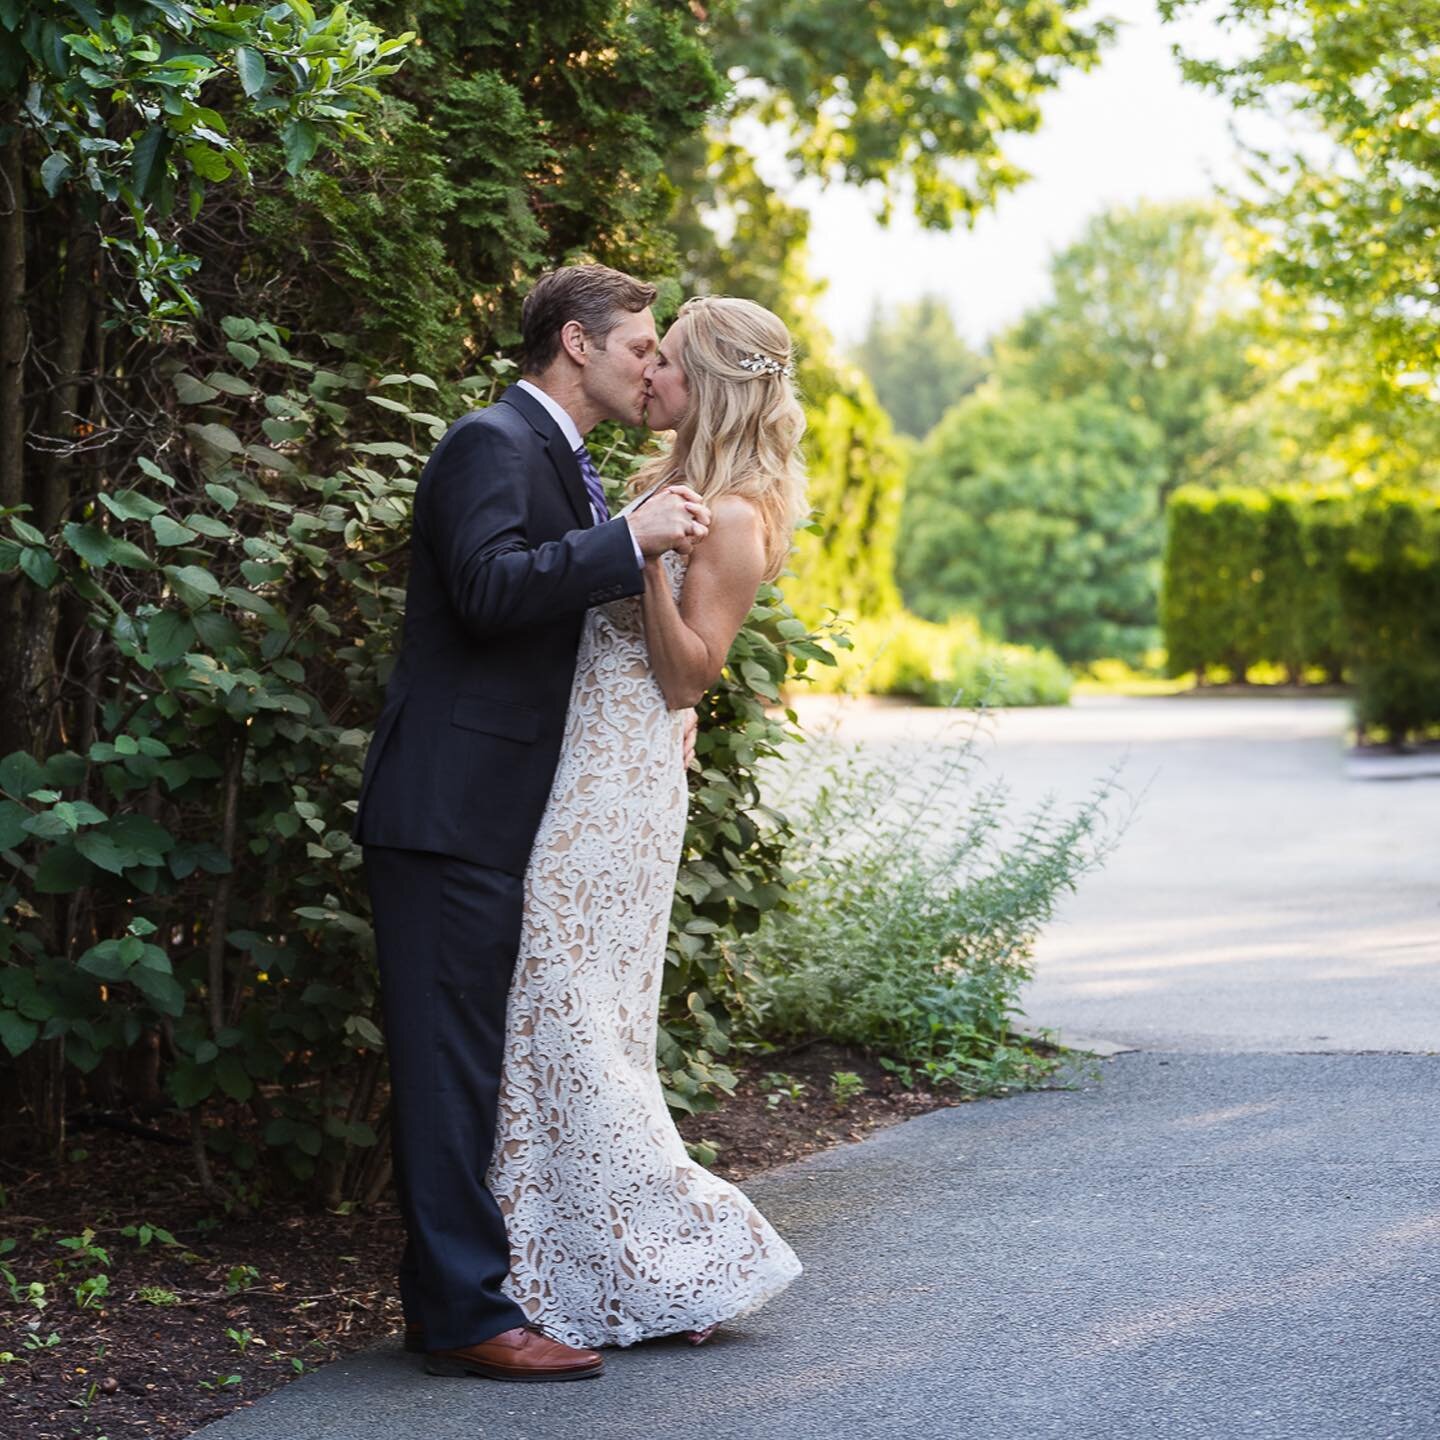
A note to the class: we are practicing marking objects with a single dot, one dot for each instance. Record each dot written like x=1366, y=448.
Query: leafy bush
x=181, y=896
x=944, y=664
x=914, y=911
x=1343, y=580
x=1210, y=612
x=1390, y=591
x=1041, y=517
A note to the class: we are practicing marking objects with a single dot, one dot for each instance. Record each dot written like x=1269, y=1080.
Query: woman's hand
x=692, y=729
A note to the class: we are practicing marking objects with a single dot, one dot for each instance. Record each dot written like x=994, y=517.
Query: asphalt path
x=1230, y=1231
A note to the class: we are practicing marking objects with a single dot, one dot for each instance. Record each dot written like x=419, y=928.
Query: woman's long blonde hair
x=740, y=434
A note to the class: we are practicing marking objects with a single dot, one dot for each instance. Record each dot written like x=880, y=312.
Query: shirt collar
x=558, y=413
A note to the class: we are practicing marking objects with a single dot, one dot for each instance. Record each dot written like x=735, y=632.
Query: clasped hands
x=675, y=518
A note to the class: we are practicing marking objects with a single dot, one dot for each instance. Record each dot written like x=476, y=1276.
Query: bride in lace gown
x=616, y=1235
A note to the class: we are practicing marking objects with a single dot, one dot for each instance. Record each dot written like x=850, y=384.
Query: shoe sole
x=495, y=1372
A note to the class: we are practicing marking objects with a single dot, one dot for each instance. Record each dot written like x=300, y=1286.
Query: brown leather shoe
x=524, y=1353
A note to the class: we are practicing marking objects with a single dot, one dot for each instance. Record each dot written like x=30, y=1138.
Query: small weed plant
x=780, y=1087
x=240, y=1277
x=917, y=900
x=845, y=1086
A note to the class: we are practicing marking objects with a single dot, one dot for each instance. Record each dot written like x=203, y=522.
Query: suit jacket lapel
x=567, y=468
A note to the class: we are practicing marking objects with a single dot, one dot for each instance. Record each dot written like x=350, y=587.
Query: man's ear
x=575, y=342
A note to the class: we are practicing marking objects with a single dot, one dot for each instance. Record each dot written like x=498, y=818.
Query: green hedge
x=1344, y=581
x=1390, y=595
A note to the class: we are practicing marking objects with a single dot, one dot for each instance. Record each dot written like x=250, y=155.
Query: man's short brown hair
x=593, y=295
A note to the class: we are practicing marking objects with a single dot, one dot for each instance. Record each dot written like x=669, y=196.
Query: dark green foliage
x=1390, y=591
x=238, y=599
x=120, y=109
x=1148, y=311
x=918, y=364
x=1312, y=578
x=914, y=911
x=1040, y=518
x=517, y=139
x=1210, y=605
x=244, y=605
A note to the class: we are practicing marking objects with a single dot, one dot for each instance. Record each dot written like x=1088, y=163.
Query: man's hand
x=692, y=728
x=675, y=518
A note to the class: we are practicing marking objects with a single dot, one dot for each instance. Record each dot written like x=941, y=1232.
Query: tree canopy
x=1349, y=231
x=1150, y=309
x=918, y=363
x=1041, y=518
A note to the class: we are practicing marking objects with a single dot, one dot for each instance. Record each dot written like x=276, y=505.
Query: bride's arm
x=689, y=642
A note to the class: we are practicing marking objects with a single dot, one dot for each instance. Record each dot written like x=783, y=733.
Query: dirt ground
x=217, y=1310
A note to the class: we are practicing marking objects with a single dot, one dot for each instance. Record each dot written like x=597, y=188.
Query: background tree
x=520, y=138
x=1152, y=311
x=1348, y=232
x=917, y=362
x=917, y=98
x=1041, y=517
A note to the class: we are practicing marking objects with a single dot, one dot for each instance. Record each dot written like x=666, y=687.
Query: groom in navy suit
x=511, y=543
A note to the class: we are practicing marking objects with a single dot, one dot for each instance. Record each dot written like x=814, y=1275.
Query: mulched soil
x=319, y=1284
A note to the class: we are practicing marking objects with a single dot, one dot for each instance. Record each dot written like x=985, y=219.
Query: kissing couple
x=523, y=813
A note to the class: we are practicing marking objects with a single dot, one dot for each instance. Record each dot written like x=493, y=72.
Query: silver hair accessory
x=758, y=364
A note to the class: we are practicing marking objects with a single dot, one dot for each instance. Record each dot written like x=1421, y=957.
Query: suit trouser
x=446, y=936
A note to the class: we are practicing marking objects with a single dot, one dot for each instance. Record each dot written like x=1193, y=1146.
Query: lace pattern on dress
x=616, y=1235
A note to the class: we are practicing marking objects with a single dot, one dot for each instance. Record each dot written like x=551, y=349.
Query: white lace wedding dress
x=616, y=1235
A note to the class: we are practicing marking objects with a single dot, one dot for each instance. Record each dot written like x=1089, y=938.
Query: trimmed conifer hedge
x=1304, y=577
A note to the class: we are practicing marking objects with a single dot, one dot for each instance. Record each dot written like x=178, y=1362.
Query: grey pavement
x=1259, y=900
x=1214, y=1236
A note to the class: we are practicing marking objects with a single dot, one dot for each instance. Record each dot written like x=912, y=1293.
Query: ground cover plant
x=916, y=900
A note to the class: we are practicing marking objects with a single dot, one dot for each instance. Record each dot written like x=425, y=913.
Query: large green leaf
x=217, y=437
x=164, y=992
x=104, y=961
x=101, y=850
x=62, y=869
x=191, y=391
x=149, y=150
x=169, y=635
x=190, y=1084
x=141, y=832
x=300, y=139
x=54, y=172
x=169, y=531
x=17, y=1034
x=12, y=831
x=234, y=1079
x=193, y=584
x=39, y=565
x=90, y=543
x=130, y=505
x=20, y=773
x=251, y=69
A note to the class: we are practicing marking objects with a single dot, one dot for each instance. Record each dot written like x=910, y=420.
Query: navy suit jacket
x=505, y=557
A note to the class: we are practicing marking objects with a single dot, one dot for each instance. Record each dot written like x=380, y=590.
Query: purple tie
x=593, y=487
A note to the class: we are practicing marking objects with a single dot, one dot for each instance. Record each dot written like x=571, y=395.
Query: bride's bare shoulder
x=736, y=513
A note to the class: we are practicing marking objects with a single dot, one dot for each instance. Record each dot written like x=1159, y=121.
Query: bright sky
x=1128, y=130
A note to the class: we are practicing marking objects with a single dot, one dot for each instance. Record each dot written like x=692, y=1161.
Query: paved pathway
x=1218, y=1239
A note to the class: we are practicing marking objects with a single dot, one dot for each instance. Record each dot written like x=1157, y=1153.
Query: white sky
x=1130, y=129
